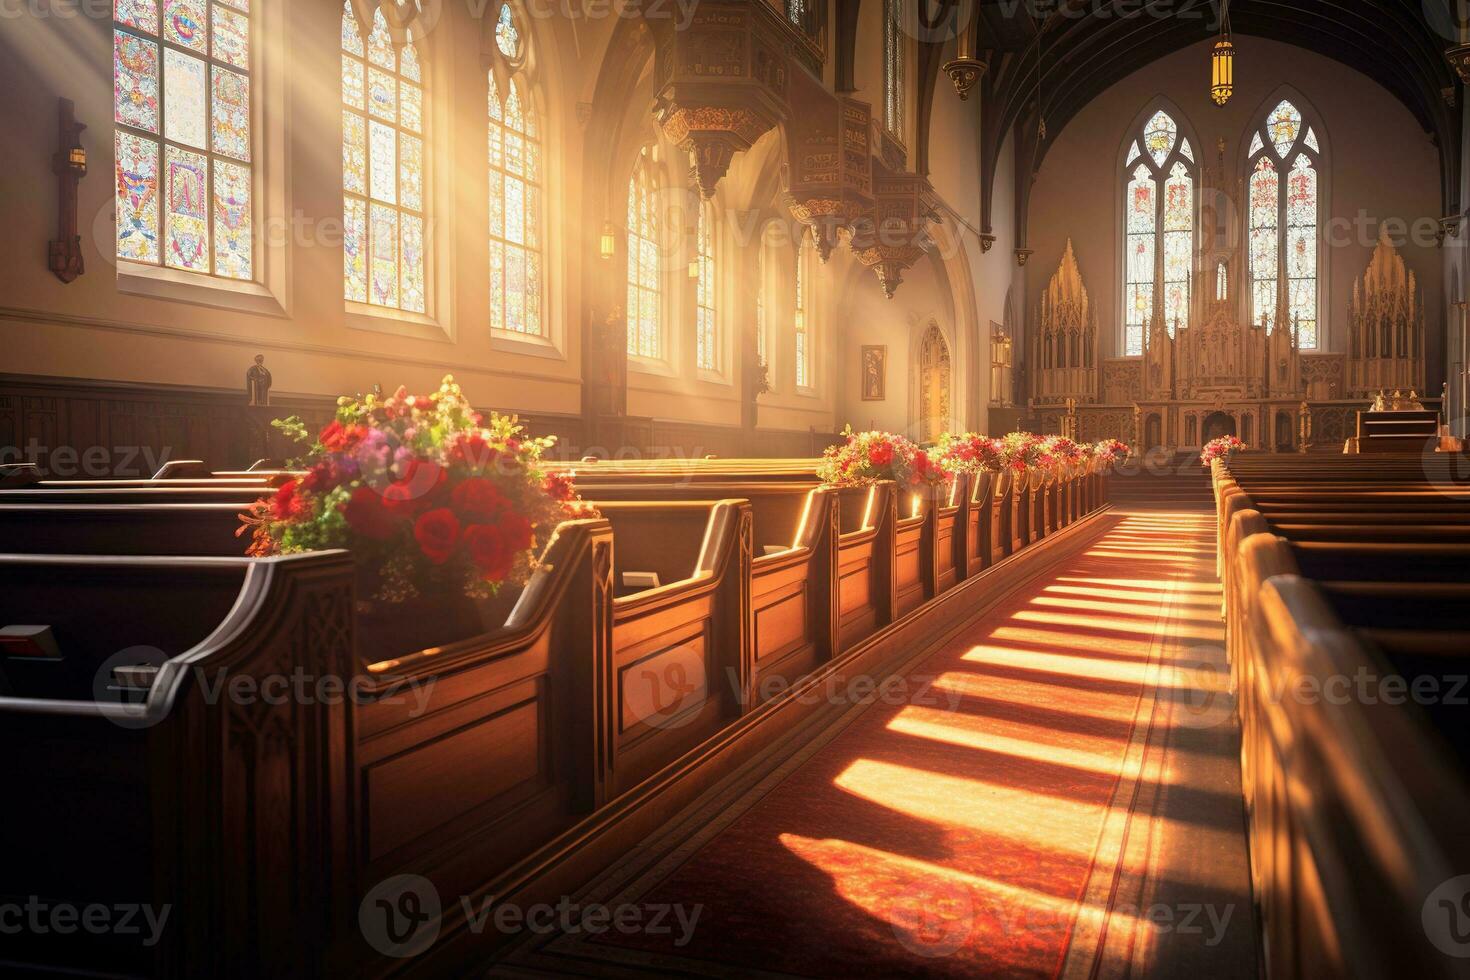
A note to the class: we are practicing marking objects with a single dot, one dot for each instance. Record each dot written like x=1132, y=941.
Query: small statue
x=258, y=383
x=1378, y=403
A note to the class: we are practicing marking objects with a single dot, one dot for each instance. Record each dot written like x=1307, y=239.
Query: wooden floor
x=1056, y=792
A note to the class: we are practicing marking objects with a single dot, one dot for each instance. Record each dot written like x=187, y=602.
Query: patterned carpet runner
x=978, y=818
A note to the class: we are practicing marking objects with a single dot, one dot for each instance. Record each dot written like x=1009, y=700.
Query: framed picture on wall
x=875, y=373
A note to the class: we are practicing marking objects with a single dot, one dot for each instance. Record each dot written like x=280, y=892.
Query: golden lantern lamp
x=607, y=247
x=1222, y=62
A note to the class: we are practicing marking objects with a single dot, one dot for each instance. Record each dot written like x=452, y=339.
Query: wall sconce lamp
x=607, y=247
x=64, y=255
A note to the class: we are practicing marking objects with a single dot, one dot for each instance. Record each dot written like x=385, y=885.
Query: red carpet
x=974, y=826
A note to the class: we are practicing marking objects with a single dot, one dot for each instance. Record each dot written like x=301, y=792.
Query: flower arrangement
x=1111, y=450
x=867, y=457
x=967, y=453
x=1062, y=450
x=1023, y=450
x=1220, y=448
x=424, y=492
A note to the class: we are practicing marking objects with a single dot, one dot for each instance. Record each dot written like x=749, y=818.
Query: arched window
x=1158, y=228
x=894, y=67
x=706, y=319
x=182, y=85
x=517, y=241
x=383, y=167
x=645, y=270
x=802, y=314
x=1285, y=163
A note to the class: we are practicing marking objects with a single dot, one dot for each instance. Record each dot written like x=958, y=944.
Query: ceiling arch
x=1078, y=48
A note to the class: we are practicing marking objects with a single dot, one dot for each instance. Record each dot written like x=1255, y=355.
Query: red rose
x=367, y=516
x=437, y=532
x=881, y=454
x=286, y=505
x=489, y=551
x=479, y=500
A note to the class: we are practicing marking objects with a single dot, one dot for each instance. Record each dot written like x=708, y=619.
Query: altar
x=1219, y=374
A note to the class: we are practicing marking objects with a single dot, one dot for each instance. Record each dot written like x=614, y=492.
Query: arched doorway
x=1218, y=424
x=934, y=385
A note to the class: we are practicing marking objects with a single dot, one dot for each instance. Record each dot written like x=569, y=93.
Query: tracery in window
x=1285, y=207
x=645, y=269
x=1158, y=228
x=182, y=85
x=383, y=168
x=517, y=238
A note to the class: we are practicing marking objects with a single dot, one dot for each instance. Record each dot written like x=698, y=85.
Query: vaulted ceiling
x=1077, y=48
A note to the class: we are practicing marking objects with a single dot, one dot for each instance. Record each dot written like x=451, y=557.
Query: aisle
x=1053, y=795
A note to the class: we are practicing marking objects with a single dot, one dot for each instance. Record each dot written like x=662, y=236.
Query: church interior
x=735, y=488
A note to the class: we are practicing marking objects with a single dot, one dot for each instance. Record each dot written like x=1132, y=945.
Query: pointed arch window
x=706, y=316
x=182, y=84
x=383, y=168
x=1285, y=165
x=517, y=206
x=1158, y=228
x=894, y=67
x=645, y=268
x=802, y=315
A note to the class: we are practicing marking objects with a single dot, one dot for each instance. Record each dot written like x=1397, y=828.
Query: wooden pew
x=122, y=529
x=451, y=763
x=682, y=656
x=1330, y=578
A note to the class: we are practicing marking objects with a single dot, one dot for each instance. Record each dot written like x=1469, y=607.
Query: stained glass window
x=1178, y=246
x=517, y=282
x=802, y=319
x=1158, y=232
x=1284, y=216
x=182, y=86
x=645, y=267
x=1159, y=136
x=1263, y=240
x=1142, y=240
x=894, y=67
x=507, y=34
x=384, y=163
x=706, y=318
x=1301, y=250
x=1222, y=282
